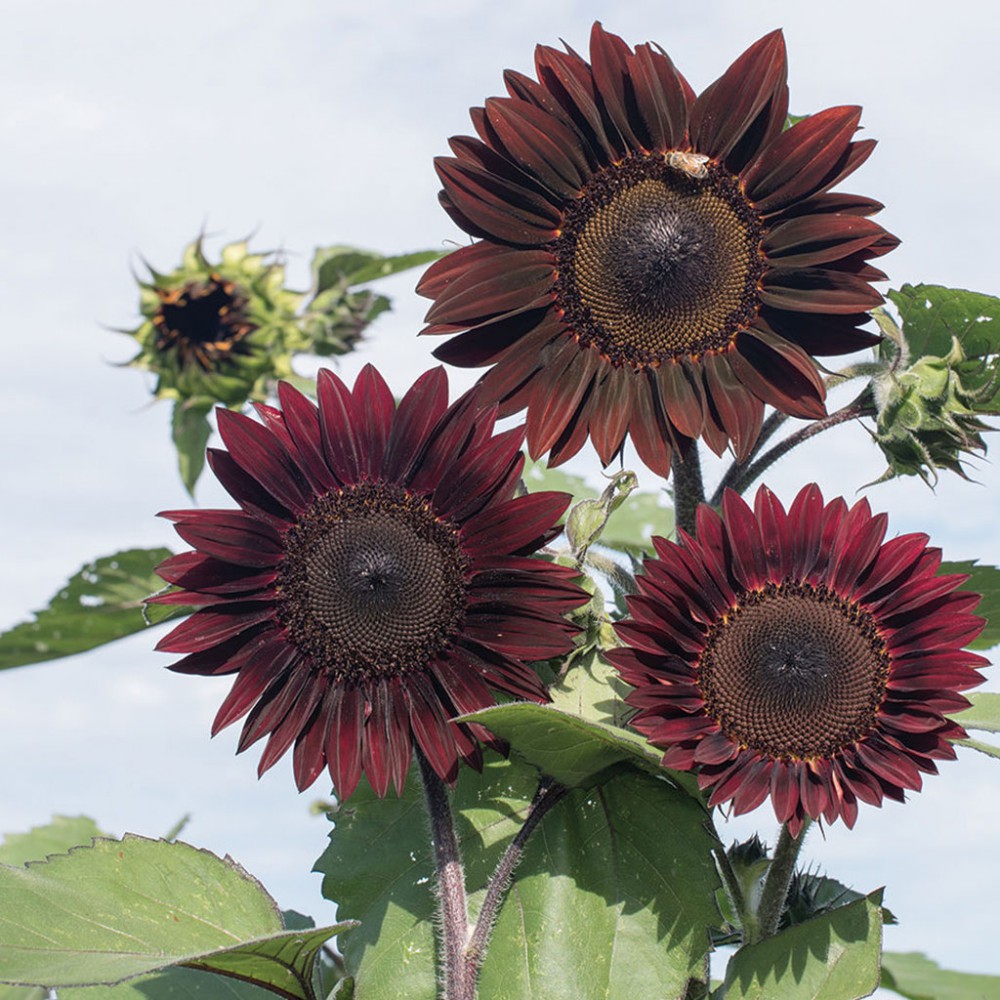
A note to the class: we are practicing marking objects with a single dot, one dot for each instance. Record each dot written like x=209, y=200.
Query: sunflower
x=376, y=581
x=651, y=263
x=797, y=655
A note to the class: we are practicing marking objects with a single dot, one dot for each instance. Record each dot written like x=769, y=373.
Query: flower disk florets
x=797, y=655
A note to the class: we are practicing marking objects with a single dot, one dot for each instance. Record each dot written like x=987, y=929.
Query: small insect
x=692, y=164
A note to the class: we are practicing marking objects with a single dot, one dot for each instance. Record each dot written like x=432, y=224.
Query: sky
x=129, y=128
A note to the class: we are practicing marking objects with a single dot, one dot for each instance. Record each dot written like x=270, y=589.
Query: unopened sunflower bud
x=218, y=332
x=927, y=418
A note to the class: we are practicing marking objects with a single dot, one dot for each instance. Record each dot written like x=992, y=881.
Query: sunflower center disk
x=794, y=672
x=654, y=264
x=203, y=320
x=372, y=582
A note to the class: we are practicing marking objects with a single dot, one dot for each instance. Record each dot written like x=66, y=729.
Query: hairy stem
x=777, y=881
x=454, y=927
x=689, y=491
x=548, y=794
x=767, y=431
x=744, y=475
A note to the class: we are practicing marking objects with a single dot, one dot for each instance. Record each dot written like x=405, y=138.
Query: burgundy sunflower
x=375, y=583
x=652, y=263
x=797, y=655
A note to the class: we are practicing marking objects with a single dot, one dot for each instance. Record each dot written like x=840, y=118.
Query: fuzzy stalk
x=689, y=491
x=454, y=926
x=776, y=882
x=548, y=794
x=741, y=477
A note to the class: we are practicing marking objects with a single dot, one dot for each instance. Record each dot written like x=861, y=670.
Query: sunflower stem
x=779, y=877
x=548, y=794
x=689, y=491
x=747, y=473
x=767, y=431
x=454, y=927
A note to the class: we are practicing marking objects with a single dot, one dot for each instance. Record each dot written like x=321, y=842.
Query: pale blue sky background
x=127, y=127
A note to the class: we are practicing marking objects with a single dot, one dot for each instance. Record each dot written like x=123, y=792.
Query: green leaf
x=983, y=714
x=124, y=908
x=626, y=903
x=349, y=266
x=592, y=689
x=191, y=430
x=383, y=267
x=914, y=975
x=984, y=580
x=987, y=748
x=629, y=906
x=832, y=957
x=175, y=983
x=101, y=603
x=56, y=837
x=932, y=315
x=572, y=750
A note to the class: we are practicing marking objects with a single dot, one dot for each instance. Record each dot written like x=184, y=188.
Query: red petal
x=817, y=290
x=501, y=208
x=258, y=452
x=302, y=421
x=741, y=413
x=728, y=108
x=660, y=97
x=539, y=144
x=343, y=742
x=779, y=373
x=819, y=239
x=266, y=664
x=796, y=164
x=209, y=627
x=374, y=409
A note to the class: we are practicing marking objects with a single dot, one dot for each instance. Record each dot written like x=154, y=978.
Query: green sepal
x=256, y=359
x=928, y=414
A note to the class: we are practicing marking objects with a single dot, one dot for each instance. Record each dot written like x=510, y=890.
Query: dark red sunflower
x=652, y=263
x=375, y=583
x=797, y=655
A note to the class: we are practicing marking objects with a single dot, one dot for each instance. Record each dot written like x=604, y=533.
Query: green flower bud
x=218, y=332
x=927, y=418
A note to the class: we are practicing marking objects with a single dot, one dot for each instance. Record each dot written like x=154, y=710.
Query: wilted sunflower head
x=797, y=655
x=376, y=582
x=652, y=263
x=218, y=331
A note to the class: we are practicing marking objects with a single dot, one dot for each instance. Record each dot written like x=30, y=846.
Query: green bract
x=927, y=417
